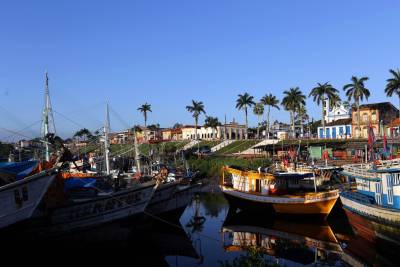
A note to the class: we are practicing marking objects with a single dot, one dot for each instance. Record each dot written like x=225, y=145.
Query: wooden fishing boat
x=258, y=190
x=19, y=199
x=172, y=200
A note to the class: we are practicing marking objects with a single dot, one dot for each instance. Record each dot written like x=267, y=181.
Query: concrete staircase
x=253, y=151
x=190, y=145
x=221, y=145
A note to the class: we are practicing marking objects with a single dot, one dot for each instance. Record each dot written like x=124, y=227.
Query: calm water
x=207, y=233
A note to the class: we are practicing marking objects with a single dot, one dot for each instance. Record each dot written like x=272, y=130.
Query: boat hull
x=179, y=199
x=280, y=205
x=18, y=200
x=119, y=205
x=371, y=212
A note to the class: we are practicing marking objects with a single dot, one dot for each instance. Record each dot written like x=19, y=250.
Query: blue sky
x=169, y=52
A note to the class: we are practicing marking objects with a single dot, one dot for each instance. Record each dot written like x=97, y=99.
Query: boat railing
x=321, y=195
x=362, y=170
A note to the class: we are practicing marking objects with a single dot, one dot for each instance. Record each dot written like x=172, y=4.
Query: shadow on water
x=208, y=233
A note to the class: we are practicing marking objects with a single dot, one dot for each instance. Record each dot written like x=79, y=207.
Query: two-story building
x=378, y=115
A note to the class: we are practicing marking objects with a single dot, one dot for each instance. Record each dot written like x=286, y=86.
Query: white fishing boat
x=19, y=199
x=377, y=197
x=106, y=207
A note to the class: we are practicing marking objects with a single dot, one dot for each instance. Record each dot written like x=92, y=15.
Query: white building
x=338, y=129
x=232, y=131
x=337, y=112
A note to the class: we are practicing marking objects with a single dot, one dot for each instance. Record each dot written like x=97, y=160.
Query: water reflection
x=208, y=233
x=293, y=242
x=233, y=238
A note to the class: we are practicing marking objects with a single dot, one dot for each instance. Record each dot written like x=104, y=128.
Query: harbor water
x=208, y=233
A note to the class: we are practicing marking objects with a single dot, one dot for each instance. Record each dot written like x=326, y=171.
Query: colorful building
x=378, y=115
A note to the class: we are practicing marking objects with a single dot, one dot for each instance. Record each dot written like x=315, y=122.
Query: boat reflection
x=124, y=241
x=300, y=242
x=368, y=242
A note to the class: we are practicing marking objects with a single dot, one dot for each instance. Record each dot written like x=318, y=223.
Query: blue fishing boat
x=377, y=194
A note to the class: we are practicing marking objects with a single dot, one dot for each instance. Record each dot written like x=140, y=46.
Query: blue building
x=339, y=129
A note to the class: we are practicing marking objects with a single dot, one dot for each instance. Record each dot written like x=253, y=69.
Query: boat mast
x=47, y=117
x=137, y=156
x=106, y=143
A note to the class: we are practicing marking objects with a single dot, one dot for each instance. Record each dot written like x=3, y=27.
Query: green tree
x=258, y=110
x=271, y=102
x=242, y=103
x=320, y=94
x=196, y=109
x=213, y=123
x=393, y=85
x=357, y=91
x=83, y=133
x=144, y=109
x=291, y=101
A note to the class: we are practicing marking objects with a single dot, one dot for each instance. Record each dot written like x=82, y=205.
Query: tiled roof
x=340, y=122
x=395, y=123
x=380, y=106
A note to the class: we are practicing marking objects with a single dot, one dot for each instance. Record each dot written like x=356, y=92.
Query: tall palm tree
x=320, y=94
x=258, y=110
x=145, y=108
x=242, y=103
x=272, y=102
x=302, y=116
x=196, y=109
x=335, y=101
x=213, y=123
x=356, y=91
x=393, y=85
x=292, y=101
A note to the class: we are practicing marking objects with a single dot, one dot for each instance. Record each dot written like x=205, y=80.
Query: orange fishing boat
x=255, y=190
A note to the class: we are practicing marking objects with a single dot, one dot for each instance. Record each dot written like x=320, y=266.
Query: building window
x=365, y=117
x=373, y=116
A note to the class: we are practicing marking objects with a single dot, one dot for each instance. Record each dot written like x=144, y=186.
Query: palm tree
x=393, y=85
x=196, y=109
x=320, y=94
x=258, y=110
x=293, y=99
x=272, y=102
x=335, y=101
x=242, y=103
x=213, y=123
x=302, y=116
x=356, y=91
x=144, y=109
